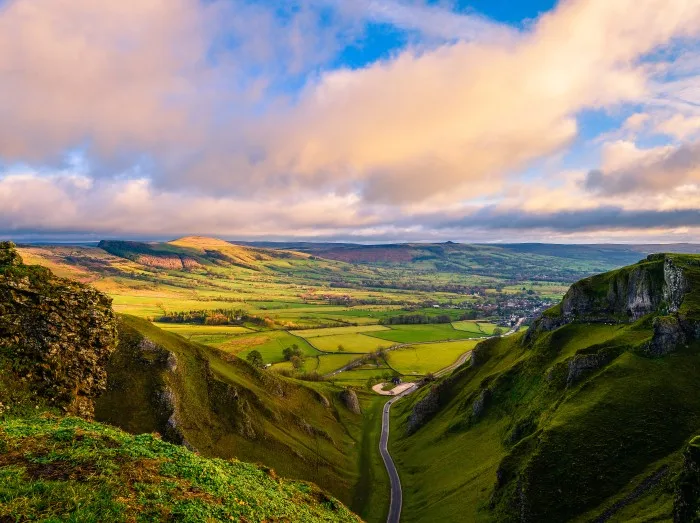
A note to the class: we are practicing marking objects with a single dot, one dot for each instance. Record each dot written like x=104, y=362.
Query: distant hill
x=520, y=261
x=401, y=252
x=193, y=252
x=586, y=417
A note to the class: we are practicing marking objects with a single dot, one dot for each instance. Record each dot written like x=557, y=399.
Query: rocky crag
x=56, y=337
x=657, y=287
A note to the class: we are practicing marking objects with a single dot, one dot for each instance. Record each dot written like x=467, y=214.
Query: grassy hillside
x=52, y=469
x=223, y=407
x=516, y=261
x=573, y=421
x=58, y=354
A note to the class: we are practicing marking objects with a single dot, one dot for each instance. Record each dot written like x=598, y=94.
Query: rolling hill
x=586, y=417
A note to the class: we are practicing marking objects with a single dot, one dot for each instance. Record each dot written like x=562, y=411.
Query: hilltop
x=585, y=417
x=59, y=356
x=194, y=252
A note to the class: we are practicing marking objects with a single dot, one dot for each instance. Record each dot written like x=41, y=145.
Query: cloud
x=680, y=126
x=239, y=114
x=432, y=21
x=453, y=121
x=597, y=219
x=655, y=170
x=68, y=203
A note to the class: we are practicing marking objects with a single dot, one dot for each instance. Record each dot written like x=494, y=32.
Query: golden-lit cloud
x=147, y=89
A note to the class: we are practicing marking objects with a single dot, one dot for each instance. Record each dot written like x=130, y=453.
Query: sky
x=351, y=120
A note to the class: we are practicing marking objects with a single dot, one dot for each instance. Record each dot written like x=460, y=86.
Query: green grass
x=359, y=377
x=612, y=429
x=333, y=331
x=370, y=492
x=270, y=344
x=421, y=333
x=330, y=362
x=207, y=334
x=228, y=409
x=358, y=343
x=478, y=328
x=428, y=358
x=69, y=469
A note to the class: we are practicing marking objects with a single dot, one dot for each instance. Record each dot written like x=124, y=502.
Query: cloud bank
x=237, y=119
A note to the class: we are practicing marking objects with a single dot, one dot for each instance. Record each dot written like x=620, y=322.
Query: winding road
x=396, y=492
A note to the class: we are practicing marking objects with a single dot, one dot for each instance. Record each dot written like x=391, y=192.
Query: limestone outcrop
x=657, y=285
x=55, y=334
x=350, y=400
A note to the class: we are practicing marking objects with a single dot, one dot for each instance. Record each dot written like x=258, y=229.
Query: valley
x=275, y=357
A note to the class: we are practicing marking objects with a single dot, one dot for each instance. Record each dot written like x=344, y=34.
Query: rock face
x=481, y=402
x=349, y=399
x=675, y=285
x=422, y=411
x=626, y=294
x=582, y=364
x=657, y=285
x=686, y=506
x=56, y=333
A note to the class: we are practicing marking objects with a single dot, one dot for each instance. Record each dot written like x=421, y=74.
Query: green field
x=270, y=344
x=478, y=328
x=359, y=377
x=331, y=331
x=329, y=362
x=359, y=343
x=422, y=333
x=213, y=335
x=429, y=357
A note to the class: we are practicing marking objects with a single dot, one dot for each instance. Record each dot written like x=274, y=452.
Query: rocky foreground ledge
x=56, y=336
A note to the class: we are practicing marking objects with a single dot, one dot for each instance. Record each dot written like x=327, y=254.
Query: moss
x=67, y=468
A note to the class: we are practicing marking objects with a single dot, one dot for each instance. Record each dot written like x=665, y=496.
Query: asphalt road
x=396, y=494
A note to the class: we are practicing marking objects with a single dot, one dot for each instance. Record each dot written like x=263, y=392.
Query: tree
x=255, y=358
x=498, y=331
x=291, y=352
x=297, y=362
x=341, y=348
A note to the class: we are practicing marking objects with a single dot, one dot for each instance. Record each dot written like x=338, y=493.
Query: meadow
x=428, y=358
x=357, y=343
x=478, y=328
x=332, y=331
x=424, y=333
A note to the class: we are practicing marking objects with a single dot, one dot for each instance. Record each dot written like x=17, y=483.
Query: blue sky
x=364, y=120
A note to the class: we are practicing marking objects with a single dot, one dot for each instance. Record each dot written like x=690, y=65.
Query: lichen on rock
x=55, y=333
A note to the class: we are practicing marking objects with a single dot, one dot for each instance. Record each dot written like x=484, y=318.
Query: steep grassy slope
x=57, y=354
x=572, y=421
x=52, y=469
x=223, y=407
